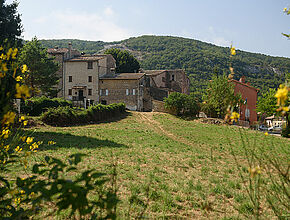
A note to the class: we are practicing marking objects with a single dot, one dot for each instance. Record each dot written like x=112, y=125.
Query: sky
x=250, y=25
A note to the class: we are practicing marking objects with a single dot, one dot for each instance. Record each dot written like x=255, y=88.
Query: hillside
x=199, y=59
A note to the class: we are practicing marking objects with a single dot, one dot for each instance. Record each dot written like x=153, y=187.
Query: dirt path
x=148, y=119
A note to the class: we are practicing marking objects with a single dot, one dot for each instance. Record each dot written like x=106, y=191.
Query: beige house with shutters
x=79, y=74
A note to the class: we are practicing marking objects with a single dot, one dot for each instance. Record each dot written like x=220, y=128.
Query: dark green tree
x=10, y=24
x=182, y=104
x=267, y=103
x=125, y=62
x=219, y=96
x=42, y=68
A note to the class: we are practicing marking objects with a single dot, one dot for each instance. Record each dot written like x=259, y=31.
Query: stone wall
x=127, y=91
x=158, y=106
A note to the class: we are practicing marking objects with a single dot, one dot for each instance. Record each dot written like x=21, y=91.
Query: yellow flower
x=266, y=133
x=254, y=171
x=281, y=95
x=1, y=48
x=285, y=9
x=18, y=78
x=6, y=148
x=14, y=53
x=233, y=51
x=23, y=138
x=3, y=57
x=5, y=133
x=10, y=51
x=33, y=147
x=18, y=149
x=8, y=118
x=17, y=201
x=285, y=109
x=51, y=143
x=22, y=118
x=4, y=67
x=29, y=140
x=25, y=123
x=235, y=116
x=22, y=91
x=24, y=68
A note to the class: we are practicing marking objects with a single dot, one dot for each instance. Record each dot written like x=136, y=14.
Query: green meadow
x=167, y=167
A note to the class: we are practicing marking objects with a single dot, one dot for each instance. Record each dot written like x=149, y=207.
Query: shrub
x=65, y=116
x=182, y=104
x=36, y=106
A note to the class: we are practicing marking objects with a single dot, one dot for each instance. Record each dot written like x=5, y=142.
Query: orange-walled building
x=250, y=95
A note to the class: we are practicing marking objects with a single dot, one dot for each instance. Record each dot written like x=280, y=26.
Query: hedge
x=66, y=116
x=36, y=106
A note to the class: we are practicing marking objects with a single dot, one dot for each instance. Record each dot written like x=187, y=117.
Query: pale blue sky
x=252, y=25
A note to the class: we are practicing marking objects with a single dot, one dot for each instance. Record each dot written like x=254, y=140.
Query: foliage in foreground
x=267, y=180
x=23, y=197
x=64, y=116
x=38, y=105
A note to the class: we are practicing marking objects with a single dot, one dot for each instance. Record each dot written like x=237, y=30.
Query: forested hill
x=199, y=59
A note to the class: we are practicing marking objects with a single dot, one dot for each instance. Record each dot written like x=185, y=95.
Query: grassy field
x=186, y=165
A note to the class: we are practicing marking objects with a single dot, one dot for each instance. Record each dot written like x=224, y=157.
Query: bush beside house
x=66, y=116
x=38, y=105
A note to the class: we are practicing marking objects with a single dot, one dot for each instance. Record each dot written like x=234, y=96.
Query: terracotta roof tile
x=86, y=58
x=124, y=76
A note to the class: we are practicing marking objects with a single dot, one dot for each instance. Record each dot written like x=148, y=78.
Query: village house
x=79, y=74
x=249, y=95
x=124, y=87
x=160, y=83
x=93, y=78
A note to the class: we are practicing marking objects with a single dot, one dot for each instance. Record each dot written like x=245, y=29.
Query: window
x=90, y=65
x=134, y=91
x=107, y=92
x=127, y=91
x=90, y=79
x=70, y=92
x=90, y=92
x=70, y=78
x=172, y=77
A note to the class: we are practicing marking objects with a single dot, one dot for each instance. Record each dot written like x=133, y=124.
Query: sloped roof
x=154, y=72
x=244, y=84
x=85, y=58
x=125, y=76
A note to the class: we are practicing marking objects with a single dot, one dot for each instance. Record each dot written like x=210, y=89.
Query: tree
x=42, y=77
x=267, y=103
x=125, y=62
x=182, y=104
x=10, y=24
x=219, y=96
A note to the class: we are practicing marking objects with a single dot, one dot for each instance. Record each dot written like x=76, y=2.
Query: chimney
x=69, y=50
x=243, y=79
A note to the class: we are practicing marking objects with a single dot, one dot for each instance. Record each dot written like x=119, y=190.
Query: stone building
x=62, y=54
x=79, y=74
x=250, y=95
x=93, y=77
x=125, y=87
x=160, y=83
